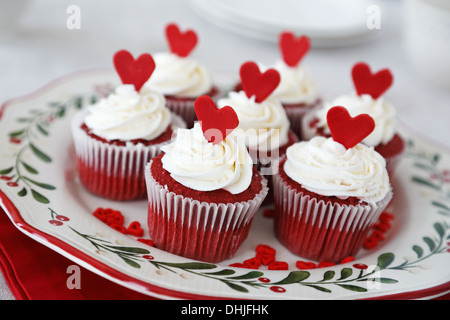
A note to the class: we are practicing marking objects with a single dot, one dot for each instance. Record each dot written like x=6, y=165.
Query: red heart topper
x=216, y=123
x=293, y=49
x=180, y=43
x=258, y=84
x=366, y=82
x=131, y=71
x=346, y=130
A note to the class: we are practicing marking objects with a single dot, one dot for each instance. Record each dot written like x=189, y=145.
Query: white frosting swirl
x=381, y=111
x=296, y=85
x=264, y=125
x=200, y=165
x=326, y=167
x=179, y=76
x=127, y=114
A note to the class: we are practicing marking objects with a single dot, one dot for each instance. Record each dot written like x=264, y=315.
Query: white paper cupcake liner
x=198, y=230
x=113, y=171
x=319, y=230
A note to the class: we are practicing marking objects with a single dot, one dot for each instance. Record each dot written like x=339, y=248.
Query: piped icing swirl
x=127, y=114
x=200, y=165
x=264, y=125
x=179, y=76
x=382, y=112
x=296, y=85
x=326, y=167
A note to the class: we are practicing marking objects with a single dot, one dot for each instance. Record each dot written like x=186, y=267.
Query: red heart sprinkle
x=278, y=265
x=366, y=82
x=304, y=265
x=293, y=49
x=325, y=264
x=216, y=123
x=135, y=229
x=180, y=43
x=131, y=71
x=253, y=263
x=265, y=258
x=265, y=249
x=347, y=130
x=258, y=84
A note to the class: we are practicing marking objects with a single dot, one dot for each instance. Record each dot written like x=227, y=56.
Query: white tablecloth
x=40, y=48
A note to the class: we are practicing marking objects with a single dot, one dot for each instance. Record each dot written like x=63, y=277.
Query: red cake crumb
x=163, y=177
x=165, y=136
x=298, y=188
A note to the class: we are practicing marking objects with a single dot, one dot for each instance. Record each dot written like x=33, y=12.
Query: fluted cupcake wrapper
x=198, y=230
x=295, y=116
x=111, y=171
x=183, y=108
x=319, y=230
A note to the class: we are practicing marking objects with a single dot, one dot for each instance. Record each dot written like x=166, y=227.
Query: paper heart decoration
x=293, y=49
x=180, y=43
x=131, y=71
x=258, y=84
x=366, y=82
x=216, y=123
x=346, y=130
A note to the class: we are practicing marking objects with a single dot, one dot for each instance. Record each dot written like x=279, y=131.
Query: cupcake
x=329, y=191
x=115, y=137
x=297, y=91
x=367, y=98
x=179, y=77
x=263, y=122
x=203, y=191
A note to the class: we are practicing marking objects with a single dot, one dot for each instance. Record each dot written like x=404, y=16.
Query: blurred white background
x=37, y=46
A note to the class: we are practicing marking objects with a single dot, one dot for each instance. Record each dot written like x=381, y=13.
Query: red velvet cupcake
x=297, y=91
x=116, y=137
x=179, y=77
x=203, y=191
x=263, y=123
x=368, y=98
x=329, y=192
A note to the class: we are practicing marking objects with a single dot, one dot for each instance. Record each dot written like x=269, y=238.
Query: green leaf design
x=425, y=182
x=224, y=272
x=440, y=205
x=22, y=192
x=41, y=155
x=328, y=275
x=29, y=168
x=295, y=276
x=439, y=229
x=39, y=197
x=40, y=184
x=345, y=273
x=16, y=133
x=418, y=250
x=130, y=249
x=236, y=286
x=6, y=171
x=319, y=288
x=42, y=130
x=430, y=243
x=130, y=262
x=385, y=260
x=249, y=275
x=352, y=287
x=191, y=265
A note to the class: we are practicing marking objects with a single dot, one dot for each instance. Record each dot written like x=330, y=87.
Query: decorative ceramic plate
x=44, y=199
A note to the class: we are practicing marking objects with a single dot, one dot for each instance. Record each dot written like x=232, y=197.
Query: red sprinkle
x=325, y=264
x=252, y=263
x=370, y=243
x=278, y=265
x=268, y=213
x=265, y=258
x=347, y=259
x=304, y=265
x=147, y=242
x=238, y=265
x=119, y=228
x=135, y=229
x=377, y=234
x=265, y=249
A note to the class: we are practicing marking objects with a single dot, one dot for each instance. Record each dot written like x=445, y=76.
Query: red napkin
x=35, y=272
